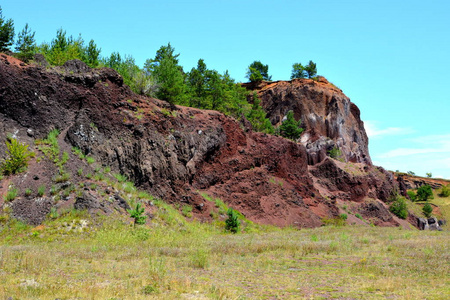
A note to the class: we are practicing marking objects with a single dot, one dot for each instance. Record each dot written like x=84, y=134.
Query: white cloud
x=425, y=154
x=373, y=131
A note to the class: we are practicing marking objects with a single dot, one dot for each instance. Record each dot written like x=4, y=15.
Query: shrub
x=290, y=128
x=358, y=216
x=18, y=157
x=232, y=223
x=412, y=195
x=398, y=208
x=136, y=214
x=343, y=216
x=445, y=191
x=335, y=152
x=429, y=175
x=424, y=193
x=427, y=210
x=28, y=192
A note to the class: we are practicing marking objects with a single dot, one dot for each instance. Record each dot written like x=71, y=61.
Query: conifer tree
x=6, y=33
x=258, y=117
x=25, y=44
x=290, y=128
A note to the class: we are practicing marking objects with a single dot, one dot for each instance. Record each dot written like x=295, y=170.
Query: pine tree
x=169, y=74
x=258, y=117
x=298, y=71
x=311, y=69
x=290, y=128
x=6, y=33
x=258, y=71
x=25, y=44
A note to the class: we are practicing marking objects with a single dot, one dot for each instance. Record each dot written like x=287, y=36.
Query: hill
x=187, y=156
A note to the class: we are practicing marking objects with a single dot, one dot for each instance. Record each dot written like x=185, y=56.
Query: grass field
x=115, y=260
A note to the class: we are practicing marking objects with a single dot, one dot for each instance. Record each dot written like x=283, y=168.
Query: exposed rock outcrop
x=329, y=117
x=178, y=155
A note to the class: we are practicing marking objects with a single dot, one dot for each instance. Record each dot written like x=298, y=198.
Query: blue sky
x=390, y=57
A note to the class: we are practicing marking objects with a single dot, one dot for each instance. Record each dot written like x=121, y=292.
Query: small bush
x=412, y=195
x=18, y=157
x=358, y=216
x=398, y=208
x=427, y=210
x=343, y=216
x=445, y=191
x=424, y=193
x=232, y=224
x=136, y=214
x=334, y=153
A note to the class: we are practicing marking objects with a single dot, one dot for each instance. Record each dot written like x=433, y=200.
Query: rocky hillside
x=329, y=117
x=180, y=155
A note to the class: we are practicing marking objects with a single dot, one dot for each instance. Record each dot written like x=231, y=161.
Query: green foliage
x=298, y=71
x=28, y=192
x=343, y=216
x=427, y=210
x=26, y=44
x=412, y=195
x=398, y=207
x=311, y=69
x=445, y=191
x=429, y=175
x=125, y=66
x=169, y=74
x=290, y=128
x=11, y=194
x=92, y=54
x=335, y=152
x=136, y=214
x=90, y=160
x=49, y=146
x=187, y=211
x=41, y=190
x=63, y=48
x=120, y=177
x=258, y=117
x=358, y=216
x=17, y=159
x=411, y=173
x=258, y=71
x=232, y=224
x=6, y=32
x=424, y=193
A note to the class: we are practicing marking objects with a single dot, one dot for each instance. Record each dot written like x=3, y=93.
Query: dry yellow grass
x=199, y=261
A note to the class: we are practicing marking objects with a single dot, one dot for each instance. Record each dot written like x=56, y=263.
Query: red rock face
x=178, y=155
x=328, y=116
